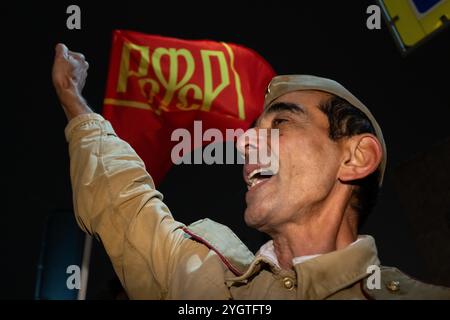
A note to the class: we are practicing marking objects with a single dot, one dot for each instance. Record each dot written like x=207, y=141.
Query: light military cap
x=281, y=85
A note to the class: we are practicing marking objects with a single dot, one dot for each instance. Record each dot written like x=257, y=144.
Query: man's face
x=308, y=162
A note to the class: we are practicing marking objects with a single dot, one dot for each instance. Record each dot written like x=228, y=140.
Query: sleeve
x=115, y=200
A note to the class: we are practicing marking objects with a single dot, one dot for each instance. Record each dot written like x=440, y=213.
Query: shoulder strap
x=218, y=237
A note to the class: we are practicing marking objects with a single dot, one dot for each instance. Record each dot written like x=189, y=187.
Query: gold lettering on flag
x=173, y=86
x=125, y=71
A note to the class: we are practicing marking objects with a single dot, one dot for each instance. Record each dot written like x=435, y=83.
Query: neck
x=328, y=228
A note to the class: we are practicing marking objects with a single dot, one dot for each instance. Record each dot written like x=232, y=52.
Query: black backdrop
x=409, y=96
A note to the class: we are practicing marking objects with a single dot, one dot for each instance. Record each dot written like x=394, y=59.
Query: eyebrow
x=285, y=106
x=279, y=107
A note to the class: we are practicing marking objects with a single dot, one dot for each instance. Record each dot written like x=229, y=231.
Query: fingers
x=76, y=55
x=79, y=57
x=61, y=51
x=69, y=68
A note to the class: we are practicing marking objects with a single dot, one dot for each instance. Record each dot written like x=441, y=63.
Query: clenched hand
x=69, y=76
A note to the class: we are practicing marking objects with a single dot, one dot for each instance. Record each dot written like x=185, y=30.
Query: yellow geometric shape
x=412, y=26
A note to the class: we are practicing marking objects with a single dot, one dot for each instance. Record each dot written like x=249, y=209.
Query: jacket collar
x=324, y=275
x=317, y=278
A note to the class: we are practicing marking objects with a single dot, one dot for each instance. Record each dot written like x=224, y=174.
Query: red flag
x=158, y=84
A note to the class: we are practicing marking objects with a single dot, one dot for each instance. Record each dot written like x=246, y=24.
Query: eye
x=277, y=121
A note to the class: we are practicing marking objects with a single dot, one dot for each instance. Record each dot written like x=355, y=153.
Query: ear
x=362, y=156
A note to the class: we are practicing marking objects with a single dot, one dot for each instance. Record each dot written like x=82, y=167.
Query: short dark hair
x=345, y=120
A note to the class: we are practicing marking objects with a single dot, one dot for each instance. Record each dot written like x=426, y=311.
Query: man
x=331, y=163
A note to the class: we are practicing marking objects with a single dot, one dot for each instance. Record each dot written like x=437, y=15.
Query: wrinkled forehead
x=304, y=102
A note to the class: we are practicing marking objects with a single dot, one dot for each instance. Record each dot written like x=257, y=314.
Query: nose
x=248, y=142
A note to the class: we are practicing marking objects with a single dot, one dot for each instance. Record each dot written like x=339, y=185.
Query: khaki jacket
x=156, y=257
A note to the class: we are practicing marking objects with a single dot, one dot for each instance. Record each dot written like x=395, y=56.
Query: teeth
x=267, y=172
x=263, y=171
x=253, y=180
x=253, y=173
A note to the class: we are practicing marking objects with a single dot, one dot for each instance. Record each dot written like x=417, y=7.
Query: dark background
x=408, y=95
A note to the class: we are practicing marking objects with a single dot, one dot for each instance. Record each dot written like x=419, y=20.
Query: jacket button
x=393, y=286
x=288, y=283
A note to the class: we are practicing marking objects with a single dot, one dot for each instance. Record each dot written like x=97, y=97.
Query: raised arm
x=114, y=197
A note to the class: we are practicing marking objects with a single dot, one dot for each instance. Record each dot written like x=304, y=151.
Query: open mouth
x=258, y=176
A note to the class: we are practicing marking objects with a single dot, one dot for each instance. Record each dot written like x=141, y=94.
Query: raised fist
x=69, y=76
